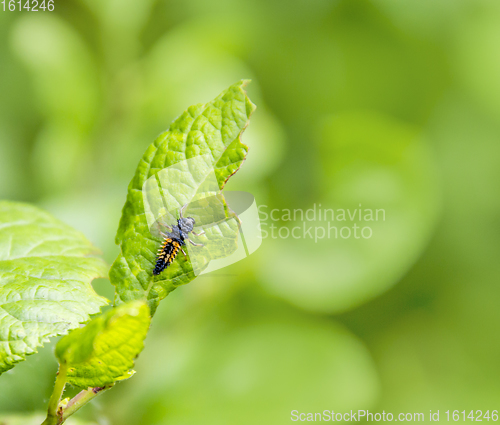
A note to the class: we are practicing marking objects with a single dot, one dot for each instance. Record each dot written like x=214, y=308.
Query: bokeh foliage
x=386, y=103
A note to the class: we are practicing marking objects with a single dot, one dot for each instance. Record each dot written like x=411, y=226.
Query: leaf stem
x=82, y=398
x=55, y=398
x=58, y=412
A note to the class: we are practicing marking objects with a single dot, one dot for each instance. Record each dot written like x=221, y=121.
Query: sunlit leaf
x=212, y=129
x=104, y=350
x=45, y=272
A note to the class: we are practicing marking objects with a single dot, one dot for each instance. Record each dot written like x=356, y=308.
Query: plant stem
x=82, y=398
x=55, y=398
x=57, y=413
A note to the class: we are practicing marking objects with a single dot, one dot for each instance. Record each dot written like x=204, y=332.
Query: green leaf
x=45, y=272
x=103, y=352
x=212, y=129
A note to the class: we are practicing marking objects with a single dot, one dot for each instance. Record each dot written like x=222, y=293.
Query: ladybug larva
x=174, y=241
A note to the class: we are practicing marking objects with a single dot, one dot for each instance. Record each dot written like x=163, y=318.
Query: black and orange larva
x=174, y=241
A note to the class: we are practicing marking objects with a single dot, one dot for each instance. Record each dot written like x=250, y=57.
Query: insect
x=174, y=241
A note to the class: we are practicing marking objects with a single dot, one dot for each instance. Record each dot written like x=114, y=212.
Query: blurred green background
x=391, y=104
